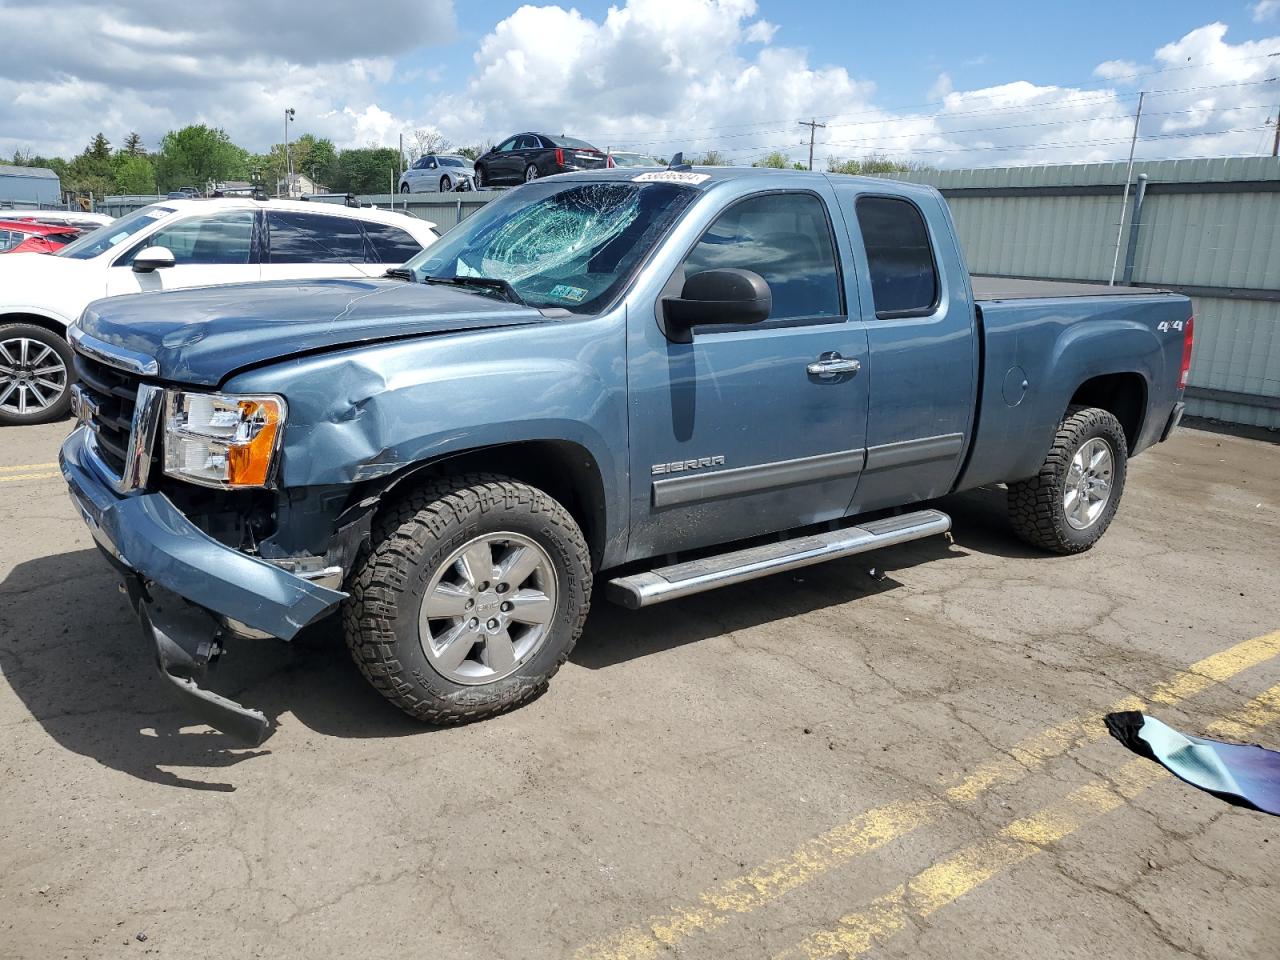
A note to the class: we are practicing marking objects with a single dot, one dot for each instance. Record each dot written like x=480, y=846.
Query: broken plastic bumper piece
x=181, y=583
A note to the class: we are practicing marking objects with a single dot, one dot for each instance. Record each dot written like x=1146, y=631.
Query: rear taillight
x=1188, y=341
x=559, y=157
x=608, y=162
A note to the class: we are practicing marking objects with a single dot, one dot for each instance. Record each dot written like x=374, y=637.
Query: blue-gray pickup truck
x=657, y=382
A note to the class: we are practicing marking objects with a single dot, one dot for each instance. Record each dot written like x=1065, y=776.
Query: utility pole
x=813, y=126
x=1128, y=177
x=288, y=167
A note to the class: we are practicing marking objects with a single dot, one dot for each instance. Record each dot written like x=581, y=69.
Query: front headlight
x=222, y=440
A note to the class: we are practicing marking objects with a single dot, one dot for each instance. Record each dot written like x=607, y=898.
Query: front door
x=207, y=249
x=742, y=431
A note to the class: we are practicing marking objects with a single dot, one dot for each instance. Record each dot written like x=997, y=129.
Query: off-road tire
x=411, y=538
x=62, y=406
x=1036, y=505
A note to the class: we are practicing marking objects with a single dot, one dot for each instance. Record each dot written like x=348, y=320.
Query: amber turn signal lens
x=249, y=464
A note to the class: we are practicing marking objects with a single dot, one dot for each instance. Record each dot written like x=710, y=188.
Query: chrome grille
x=112, y=397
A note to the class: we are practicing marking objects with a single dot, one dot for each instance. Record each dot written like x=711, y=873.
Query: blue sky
x=947, y=84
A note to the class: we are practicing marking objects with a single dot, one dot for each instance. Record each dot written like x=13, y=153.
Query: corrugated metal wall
x=1211, y=223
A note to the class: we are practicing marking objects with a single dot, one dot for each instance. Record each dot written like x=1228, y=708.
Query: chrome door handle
x=829, y=367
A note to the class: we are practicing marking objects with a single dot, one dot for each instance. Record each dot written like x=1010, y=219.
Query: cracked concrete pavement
x=684, y=749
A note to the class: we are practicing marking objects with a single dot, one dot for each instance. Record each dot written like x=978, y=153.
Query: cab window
x=904, y=276
x=784, y=237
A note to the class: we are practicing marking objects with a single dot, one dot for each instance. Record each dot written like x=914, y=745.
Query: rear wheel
x=36, y=374
x=472, y=596
x=1068, y=505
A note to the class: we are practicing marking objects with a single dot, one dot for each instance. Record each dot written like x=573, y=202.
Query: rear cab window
x=900, y=260
x=296, y=237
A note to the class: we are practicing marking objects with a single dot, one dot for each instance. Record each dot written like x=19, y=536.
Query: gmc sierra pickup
x=664, y=381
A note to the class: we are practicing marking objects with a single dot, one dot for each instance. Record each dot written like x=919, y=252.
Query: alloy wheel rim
x=531, y=174
x=1089, y=482
x=488, y=609
x=32, y=376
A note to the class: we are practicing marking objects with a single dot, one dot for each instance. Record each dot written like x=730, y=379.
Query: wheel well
x=1124, y=395
x=560, y=468
x=53, y=326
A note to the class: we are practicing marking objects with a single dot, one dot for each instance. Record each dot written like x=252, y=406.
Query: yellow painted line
x=875, y=828
x=29, y=476
x=29, y=466
x=946, y=882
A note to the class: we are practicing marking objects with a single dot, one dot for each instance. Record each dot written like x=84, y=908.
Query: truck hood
x=202, y=335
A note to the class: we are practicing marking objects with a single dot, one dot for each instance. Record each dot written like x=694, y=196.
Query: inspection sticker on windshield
x=672, y=176
x=563, y=291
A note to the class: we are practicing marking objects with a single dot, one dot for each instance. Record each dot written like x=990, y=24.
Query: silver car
x=436, y=172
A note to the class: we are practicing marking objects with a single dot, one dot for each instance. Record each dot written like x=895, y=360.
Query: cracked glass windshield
x=568, y=245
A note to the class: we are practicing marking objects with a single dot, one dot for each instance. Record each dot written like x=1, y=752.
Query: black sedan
x=527, y=156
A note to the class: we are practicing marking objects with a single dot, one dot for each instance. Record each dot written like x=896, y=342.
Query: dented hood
x=202, y=335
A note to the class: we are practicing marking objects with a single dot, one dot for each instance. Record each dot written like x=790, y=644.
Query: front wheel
x=36, y=374
x=404, y=188
x=470, y=599
x=530, y=173
x=1068, y=505
x=481, y=178
x=445, y=185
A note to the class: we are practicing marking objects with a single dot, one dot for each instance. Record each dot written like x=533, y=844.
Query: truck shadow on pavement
x=74, y=655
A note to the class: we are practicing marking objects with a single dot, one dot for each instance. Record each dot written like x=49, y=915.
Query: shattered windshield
x=567, y=245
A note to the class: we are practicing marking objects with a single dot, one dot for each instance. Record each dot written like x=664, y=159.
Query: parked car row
x=171, y=245
x=518, y=159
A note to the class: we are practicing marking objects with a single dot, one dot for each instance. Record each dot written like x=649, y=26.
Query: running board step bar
x=683, y=579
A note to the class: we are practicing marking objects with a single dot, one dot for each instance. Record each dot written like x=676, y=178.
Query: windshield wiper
x=503, y=287
x=399, y=273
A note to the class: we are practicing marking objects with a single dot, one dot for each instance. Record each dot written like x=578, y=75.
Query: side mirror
x=152, y=258
x=728, y=296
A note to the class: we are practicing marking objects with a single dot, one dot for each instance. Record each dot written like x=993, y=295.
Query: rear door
x=922, y=342
x=304, y=245
x=739, y=432
x=207, y=248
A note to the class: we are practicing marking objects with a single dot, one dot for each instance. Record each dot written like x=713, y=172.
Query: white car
x=167, y=246
x=435, y=172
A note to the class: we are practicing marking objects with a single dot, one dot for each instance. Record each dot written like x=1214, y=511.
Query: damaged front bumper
x=181, y=583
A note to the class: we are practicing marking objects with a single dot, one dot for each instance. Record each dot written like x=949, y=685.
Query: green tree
x=99, y=149
x=133, y=145
x=870, y=165
x=365, y=170
x=776, y=159
x=195, y=156
x=713, y=158
x=133, y=173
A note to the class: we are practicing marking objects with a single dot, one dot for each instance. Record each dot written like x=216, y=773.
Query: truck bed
x=1015, y=288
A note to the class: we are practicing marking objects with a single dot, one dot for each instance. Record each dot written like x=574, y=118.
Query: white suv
x=167, y=246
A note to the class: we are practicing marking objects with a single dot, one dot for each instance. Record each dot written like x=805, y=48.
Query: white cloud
x=1265, y=10
x=761, y=31
x=667, y=75
x=654, y=75
x=1115, y=69
x=150, y=66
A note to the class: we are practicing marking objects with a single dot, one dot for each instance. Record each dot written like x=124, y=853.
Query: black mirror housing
x=726, y=296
